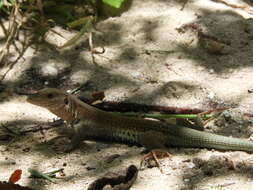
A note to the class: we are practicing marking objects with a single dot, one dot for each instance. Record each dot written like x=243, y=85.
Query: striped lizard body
x=92, y=123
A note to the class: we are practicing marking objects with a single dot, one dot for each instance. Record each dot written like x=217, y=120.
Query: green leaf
x=114, y=3
x=1, y=3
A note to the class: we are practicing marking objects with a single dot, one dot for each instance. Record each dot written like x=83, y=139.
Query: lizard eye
x=50, y=96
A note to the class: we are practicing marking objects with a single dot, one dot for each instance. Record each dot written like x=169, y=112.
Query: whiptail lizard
x=92, y=123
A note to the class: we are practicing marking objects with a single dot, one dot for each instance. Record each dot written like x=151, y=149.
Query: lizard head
x=49, y=98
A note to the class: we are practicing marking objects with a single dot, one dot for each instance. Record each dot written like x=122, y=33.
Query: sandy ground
x=147, y=60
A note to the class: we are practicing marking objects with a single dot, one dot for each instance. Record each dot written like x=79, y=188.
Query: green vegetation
x=40, y=16
x=114, y=3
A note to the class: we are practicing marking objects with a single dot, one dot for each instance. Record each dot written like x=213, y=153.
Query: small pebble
x=90, y=168
x=211, y=95
x=186, y=180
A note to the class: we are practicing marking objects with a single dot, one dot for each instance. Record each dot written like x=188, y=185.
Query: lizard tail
x=187, y=137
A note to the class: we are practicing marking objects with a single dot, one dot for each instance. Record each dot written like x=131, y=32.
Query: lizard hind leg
x=155, y=142
x=155, y=154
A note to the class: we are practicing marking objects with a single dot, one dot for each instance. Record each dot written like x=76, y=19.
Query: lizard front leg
x=78, y=136
x=75, y=141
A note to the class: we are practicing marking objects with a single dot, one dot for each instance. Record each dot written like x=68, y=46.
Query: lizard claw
x=68, y=148
x=155, y=155
x=63, y=148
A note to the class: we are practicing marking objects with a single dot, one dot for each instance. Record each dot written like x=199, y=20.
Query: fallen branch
x=245, y=8
x=121, y=180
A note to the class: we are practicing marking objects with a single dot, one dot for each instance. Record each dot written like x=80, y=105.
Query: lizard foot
x=155, y=155
x=68, y=148
x=63, y=148
x=63, y=145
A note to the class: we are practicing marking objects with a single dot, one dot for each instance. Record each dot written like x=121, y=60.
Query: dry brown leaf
x=122, y=180
x=15, y=176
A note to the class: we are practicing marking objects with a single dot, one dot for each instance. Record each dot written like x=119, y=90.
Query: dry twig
x=245, y=8
x=13, y=28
